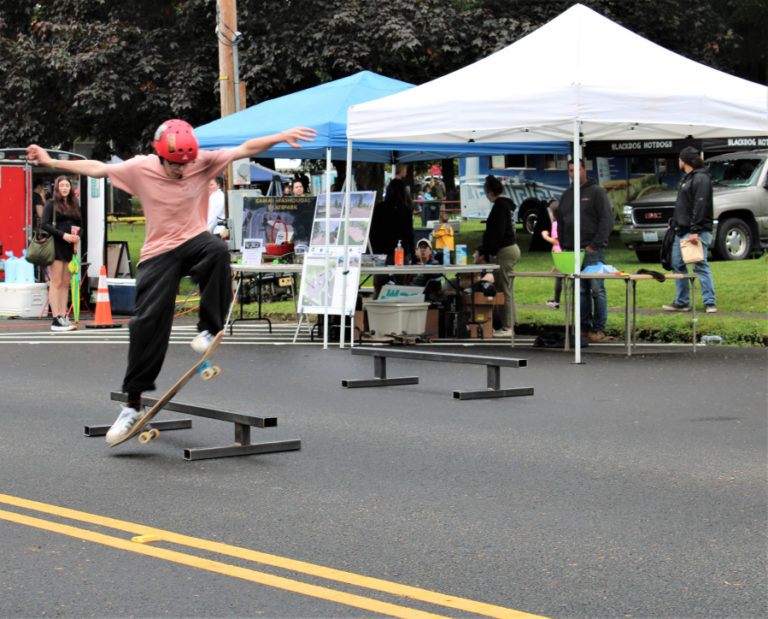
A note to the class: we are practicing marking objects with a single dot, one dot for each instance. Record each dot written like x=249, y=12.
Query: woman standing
x=500, y=246
x=67, y=215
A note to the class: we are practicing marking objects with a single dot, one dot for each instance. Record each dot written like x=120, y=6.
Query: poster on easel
x=278, y=220
x=322, y=282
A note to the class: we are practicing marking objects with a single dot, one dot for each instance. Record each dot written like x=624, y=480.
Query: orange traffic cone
x=103, y=317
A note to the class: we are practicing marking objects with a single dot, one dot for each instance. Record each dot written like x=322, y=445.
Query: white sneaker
x=502, y=333
x=202, y=342
x=60, y=323
x=124, y=423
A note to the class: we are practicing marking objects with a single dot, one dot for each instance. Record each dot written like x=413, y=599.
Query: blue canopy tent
x=262, y=174
x=324, y=108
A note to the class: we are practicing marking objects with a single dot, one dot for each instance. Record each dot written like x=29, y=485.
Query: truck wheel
x=734, y=240
x=529, y=214
x=648, y=255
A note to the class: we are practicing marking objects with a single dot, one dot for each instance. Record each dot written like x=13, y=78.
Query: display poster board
x=279, y=220
x=322, y=282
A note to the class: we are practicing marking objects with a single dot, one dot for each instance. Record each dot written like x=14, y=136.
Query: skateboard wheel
x=208, y=373
x=148, y=435
x=216, y=370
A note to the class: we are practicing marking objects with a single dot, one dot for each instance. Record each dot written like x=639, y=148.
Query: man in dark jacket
x=393, y=218
x=595, y=226
x=392, y=221
x=692, y=220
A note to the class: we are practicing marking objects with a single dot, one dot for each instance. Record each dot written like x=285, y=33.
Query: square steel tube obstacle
x=243, y=423
x=493, y=365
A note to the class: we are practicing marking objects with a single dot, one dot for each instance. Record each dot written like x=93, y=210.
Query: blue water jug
x=25, y=271
x=11, y=268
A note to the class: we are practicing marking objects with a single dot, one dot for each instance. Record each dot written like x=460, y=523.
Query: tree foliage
x=111, y=71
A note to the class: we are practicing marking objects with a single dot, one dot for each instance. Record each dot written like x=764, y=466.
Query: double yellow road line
x=143, y=537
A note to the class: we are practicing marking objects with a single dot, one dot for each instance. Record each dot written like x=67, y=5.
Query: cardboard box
x=482, y=313
x=481, y=299
x=467, y=279
x=433, y=321
x=485, y=329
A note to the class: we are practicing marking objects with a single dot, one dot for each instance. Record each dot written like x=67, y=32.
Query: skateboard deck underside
x=202, y=366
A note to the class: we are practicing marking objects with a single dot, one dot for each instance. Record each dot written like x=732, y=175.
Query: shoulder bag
x=41, y=251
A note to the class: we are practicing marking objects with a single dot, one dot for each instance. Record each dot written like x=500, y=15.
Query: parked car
x=740, y=210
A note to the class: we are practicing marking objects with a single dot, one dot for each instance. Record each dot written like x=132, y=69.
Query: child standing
x=551, y=237
x=443, y=235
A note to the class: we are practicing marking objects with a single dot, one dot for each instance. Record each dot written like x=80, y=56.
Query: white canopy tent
x=579, y=77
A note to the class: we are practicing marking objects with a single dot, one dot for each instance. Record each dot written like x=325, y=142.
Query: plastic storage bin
x=392, y=317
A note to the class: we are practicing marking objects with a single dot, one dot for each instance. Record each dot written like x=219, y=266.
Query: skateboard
x=408, y=339
x=203, y=367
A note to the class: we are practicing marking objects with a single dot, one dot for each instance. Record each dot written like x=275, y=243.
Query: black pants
x=206, y=259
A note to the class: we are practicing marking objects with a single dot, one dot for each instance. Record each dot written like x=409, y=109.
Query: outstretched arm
x=254, y=146
x=86, y=167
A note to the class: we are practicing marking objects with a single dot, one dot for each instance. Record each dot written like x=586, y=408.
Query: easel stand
x=243, y=423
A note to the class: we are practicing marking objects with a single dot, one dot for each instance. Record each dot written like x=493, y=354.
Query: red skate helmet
x=175, y=141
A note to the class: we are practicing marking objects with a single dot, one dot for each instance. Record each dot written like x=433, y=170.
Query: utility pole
x=232, y=90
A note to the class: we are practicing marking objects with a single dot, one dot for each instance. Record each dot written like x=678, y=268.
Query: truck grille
x=652, y=216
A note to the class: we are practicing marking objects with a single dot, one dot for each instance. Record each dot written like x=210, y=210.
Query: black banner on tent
x=635, y=148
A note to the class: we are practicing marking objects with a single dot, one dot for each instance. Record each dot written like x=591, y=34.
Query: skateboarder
x=172, y=186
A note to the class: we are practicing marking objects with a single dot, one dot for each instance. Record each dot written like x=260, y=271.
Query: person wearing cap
x=692, y=220
x=424, y=253
x=172, y=185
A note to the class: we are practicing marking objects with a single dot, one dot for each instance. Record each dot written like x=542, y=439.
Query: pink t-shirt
x=555, y=248
x=176, y=209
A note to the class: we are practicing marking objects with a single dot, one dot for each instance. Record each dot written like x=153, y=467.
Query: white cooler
x=23, y=300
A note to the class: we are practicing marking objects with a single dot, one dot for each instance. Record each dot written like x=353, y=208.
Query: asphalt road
x=622, y=488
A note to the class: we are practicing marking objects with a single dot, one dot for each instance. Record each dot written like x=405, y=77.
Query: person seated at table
x=424, y=255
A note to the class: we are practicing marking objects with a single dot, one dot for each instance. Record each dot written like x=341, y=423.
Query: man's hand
x=38, y=155
x=293, y=136
x=694, y=238
x=590, y=250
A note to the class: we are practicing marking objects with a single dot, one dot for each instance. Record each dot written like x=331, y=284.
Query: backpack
x=665, y=253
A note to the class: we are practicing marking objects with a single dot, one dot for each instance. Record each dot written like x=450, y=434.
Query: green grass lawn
x=741, y=287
